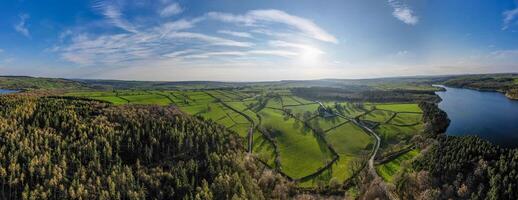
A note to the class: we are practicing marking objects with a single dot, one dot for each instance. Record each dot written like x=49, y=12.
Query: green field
x=400, y=107
x=380, y=116
x=148, y=99
x=113, y=99
x=290, y=121
x=406, y=119
x=327, y=123
x=388, y=170
x=301, y=153
x=349, y=139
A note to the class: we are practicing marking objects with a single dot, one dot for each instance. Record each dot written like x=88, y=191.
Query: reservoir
x=2, y=91
x=489, y=115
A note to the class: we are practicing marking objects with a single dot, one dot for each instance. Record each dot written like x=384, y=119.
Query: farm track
x=372, y=168
x=250, y=130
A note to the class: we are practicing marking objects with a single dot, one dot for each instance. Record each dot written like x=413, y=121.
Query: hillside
x=504, y=83
x=33, y=83
x=54, y=148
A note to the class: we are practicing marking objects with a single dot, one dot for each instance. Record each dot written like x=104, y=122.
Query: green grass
x=350, y=110
x=91, y=94
x=378, y=116
x=264, y=149
x=242, y=107
x=406, y=119
x=300, y=152
x=113, y=99
x=349, y=139
x=274, y=103
x=400, y=107
x=388, y=170
x=393, y=134
x=299, y=110
x=148, y=99
x=301, y=100
x=225, y=121
x=326, y=123
x=340, y=170
x=241, y=129
x=289, y=101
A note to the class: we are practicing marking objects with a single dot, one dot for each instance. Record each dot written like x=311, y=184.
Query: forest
x=66, y=148
x=214, y=140
x=505, y=83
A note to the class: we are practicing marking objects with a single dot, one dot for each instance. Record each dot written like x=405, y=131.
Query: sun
x=310, y=55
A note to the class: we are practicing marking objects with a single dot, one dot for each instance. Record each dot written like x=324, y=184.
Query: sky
x=244, y=40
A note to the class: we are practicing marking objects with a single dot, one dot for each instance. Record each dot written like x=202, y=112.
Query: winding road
x=372, y=168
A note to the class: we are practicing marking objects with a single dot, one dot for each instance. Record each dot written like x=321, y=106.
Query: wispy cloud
x=114, y=15
x=1, y=50
x=236, y=33
x=187, y=41
x=212, y=40
x=171, y=9
x=403, y=13
x=510, y=17
x=512, y=53
x=21, y=26
x=254, y=17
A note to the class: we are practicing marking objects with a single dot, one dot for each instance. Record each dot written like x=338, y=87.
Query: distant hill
x=33, y=83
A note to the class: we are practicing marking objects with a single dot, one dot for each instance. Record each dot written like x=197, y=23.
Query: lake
x=490, y=115
x=2, y=91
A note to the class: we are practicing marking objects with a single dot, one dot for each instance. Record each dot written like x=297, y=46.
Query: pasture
x=289, y=132
x=390, y=169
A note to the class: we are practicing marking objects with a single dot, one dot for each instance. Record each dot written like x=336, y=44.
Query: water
x=490, y=115
x=2, y=91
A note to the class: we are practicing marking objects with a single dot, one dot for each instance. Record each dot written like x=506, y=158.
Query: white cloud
x=171, y=9
x=512, y=53
x=180, y=42
x=114, y=15
x=21, y=27
x=300, y=23
x=1, y=50
x=212, y=40
x=254, y=17
x=402, y=53
x=403, y=12
x=230, y=18
x=173, y=26
x=509, y=18
x=236, y=34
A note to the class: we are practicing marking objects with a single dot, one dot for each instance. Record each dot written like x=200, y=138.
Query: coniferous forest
x=66, y=148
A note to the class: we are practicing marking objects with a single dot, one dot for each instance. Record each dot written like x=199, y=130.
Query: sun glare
x=310, y=55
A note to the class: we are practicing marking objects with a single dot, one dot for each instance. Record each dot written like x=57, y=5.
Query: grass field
x=113, y=99
x=300, y=110
x=301, y=152
x=326, y=123
x=147, y=99
x=400, y=107
x=406, y=119
x=348, y=109
x=380, y=116
x=393, y=134
x=388, y=170
x=349, y=139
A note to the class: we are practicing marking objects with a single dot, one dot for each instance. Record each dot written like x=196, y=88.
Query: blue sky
x=235, y=40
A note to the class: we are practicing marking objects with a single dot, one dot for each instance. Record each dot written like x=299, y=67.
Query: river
x=490, y=115
x=3, y=91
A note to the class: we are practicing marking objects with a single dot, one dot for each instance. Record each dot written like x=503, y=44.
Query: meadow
x=310, y=144
x=390, y=169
